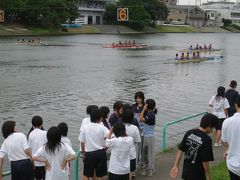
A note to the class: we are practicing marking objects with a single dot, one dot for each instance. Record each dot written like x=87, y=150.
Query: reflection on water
x=60, y=78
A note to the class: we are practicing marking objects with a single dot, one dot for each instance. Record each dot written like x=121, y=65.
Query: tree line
x=141, y=12
x=39, y=13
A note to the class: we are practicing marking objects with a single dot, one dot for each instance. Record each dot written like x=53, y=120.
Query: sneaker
x=149, y=173
x=217, y=145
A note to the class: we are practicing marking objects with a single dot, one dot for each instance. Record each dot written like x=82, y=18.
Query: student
x=219, y=104
x=148, y=117
x=118, y=109
x=177, y=58
x=132, y=131
x=191, y=48
x=197, y=47
x=134, y=121
x=182, y=57
x=138, y=107
x=122, y=147
x=92, y=140
x=36, y=139
x=105, y=114
x=197, y=148
x=55, y=155
x=205, y=47
x=19, y=153
x=231, y=95
x=231, y=141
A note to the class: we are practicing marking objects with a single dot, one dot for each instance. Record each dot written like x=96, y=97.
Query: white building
x=216, y=11
x=91, y=11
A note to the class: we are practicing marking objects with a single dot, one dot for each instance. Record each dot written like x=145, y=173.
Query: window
x=170, y=19
x=179, y=20
x=212, y=15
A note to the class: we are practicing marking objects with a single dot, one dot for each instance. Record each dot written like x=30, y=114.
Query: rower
x=198, y=55
x=113, y=43
x=205, y=46
x=194, y=55
x=187, y=56
x=120, y=43
x=200, y=47
x=197, y=47
x=210, y=47
x=177, y=58
x=182, y=57
x=190, y=48
x=134, y=42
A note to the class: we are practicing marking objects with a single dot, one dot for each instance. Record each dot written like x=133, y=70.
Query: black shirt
x=197, y=148
x=137, y=110
x=231, y=96
x=150, y=118
x=113, y=119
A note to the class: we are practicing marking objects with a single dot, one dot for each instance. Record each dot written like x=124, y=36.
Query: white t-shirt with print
x=36, y=139
x=13, y=146
x=121, y=150
x=55, y=160
x=219, y=104
x=93, y=135
x=230, y=134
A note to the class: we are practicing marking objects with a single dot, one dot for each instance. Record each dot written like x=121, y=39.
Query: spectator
x=231, y=95
x=197, y=148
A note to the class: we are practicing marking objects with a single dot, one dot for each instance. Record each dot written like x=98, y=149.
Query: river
x=58, y=81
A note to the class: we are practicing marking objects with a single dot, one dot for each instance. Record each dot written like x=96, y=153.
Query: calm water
x=58, y=82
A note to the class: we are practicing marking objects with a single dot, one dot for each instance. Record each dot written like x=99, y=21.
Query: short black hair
x=151, y=104
x=63, y=128
x=117, y=105
x=8, y=128
x=37, y=121
x=90, y=108
x=105, y=111
x=127, y=116
x=238, y=101
x=140, y=95
x=127, y=106
x=119, y=129
x=233, y=84
x=95, y=115
x=209, y=120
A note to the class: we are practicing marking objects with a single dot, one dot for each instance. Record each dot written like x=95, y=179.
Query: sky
x=193, y=1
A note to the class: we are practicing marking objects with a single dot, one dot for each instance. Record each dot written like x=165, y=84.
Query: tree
x=110, y=15
x=226, y=22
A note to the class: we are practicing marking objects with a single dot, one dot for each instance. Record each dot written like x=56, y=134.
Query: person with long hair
x=219, y=105
x=36, y=139
x=19, y=153
x=55, y=154
x=148, y=116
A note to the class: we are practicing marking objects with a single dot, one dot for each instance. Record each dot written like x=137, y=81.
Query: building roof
x=186, y=7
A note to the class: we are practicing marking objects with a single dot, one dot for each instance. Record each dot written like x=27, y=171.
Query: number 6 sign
x=122, y=14
x=1, y=16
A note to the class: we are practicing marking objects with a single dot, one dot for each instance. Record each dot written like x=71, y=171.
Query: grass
x=176, y=29
x=220, y=171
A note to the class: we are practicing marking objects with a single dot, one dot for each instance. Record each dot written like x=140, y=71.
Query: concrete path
x=164, y=163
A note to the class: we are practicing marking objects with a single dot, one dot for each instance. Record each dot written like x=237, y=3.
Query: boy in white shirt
x=122, y=148
x=92, y=140
x=36, y=139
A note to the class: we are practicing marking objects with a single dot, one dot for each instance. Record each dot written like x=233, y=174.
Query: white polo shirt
x=121, y=150
x=13, y=146
x=36, y=139
x=230, y=134
x=93, y=135
x=219, y=106
x=66, y=140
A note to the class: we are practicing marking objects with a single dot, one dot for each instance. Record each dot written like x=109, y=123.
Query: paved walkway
x=164, y=163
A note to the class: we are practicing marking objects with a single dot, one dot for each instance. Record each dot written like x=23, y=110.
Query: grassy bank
x=176, y=29
x=220, y=171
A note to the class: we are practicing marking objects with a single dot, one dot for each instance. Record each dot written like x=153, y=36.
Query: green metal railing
x=8, y=173
x=164, y=146
x=76, y=166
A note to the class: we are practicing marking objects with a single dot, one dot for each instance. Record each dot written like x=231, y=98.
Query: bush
x=226, y=22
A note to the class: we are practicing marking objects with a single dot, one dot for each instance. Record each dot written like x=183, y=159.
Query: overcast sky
x=193, y=1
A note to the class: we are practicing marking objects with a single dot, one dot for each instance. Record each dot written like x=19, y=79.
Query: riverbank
x=18, y=30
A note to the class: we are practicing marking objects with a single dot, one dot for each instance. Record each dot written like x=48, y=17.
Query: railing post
x=164, y=136
x=76, y=166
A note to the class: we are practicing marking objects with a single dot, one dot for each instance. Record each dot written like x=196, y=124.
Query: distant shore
x=18, y=30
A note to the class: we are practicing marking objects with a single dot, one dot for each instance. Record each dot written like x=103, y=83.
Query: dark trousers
x=233, y=176
x=118, y=177
x=22, y=170
x=39, y=172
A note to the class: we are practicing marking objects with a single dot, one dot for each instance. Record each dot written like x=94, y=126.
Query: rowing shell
x=172, y=61
x=125, y=46
x=200, y=50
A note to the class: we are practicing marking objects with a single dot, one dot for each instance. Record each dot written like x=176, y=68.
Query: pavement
x=165, y=161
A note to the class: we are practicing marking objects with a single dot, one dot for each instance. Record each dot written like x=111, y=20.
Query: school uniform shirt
x=13, y=146
x=121, y=150
x=149, y=124
x=197, y=148
x=231, y=95
x=36, y=139
x=219, y=104
x=132, y=131
x=137, y=111
x=55, y=160
x=230, y=134
x=93, y=135
x=66, y=140
x=113, y=119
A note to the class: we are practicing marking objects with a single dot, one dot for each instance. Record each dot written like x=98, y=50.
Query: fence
x=164, y=146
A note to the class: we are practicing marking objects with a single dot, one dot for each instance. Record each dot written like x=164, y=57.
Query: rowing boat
x=173, y=61
x=125, y=46
x=200, y=50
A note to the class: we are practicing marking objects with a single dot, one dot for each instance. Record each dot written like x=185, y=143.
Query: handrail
x=174, y=122
x=76, y=166
x=7, y=173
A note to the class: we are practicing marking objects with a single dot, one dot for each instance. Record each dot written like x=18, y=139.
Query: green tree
x=110, y=15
